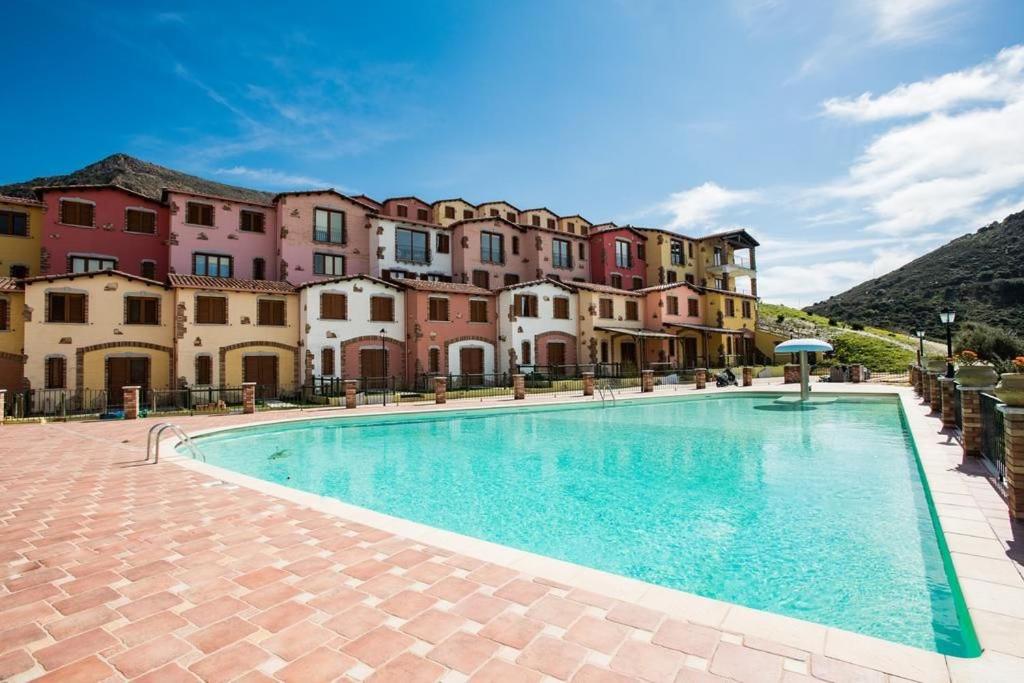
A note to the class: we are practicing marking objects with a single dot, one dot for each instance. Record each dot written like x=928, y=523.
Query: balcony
x=735, y=266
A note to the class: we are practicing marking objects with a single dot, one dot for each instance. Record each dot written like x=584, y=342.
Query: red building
x=98, y=227
x=618, y=257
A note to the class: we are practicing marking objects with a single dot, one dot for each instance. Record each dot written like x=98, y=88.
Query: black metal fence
x=55, y=403
x=993, y=447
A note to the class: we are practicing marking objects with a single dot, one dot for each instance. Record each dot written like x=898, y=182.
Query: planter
x=977, y=376
x=1011, y=389
x=935, y=365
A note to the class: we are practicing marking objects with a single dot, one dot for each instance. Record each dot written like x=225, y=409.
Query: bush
x=990, y=343
x=858, y=327
x=878, y=355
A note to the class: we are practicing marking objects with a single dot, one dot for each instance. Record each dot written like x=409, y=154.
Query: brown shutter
x=4, y=322
x=76, y=308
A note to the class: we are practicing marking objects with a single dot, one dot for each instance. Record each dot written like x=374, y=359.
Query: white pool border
x=956, y=510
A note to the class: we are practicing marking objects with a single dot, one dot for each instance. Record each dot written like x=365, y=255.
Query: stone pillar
x=857, y=373
x=646, y=381
x=440, y=390
x=748, y=376
x=934, y=393
x=926, y=386
x=1013, y=438
x=588, y=384
x=791, y=374
x=910, y=374
x=350, y=393
x=518, y=386
x=3, y=404
x=915, y=378
x=701, y=375
x=131, y=402
x=970, y=404
x=948, y=390
x=248, y=398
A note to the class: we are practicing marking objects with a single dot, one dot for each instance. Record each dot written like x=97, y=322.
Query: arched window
x=327, y=362
x=526, y=359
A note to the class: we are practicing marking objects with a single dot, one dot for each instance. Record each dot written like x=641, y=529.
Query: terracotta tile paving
x=111, y=569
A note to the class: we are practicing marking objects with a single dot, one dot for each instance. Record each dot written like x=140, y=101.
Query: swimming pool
x=818, y=513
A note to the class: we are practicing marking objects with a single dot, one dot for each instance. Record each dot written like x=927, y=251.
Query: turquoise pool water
x=817, y=513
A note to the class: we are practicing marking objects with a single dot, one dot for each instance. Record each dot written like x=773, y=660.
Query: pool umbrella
x=803, y=346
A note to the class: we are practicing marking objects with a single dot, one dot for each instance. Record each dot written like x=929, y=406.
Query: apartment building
x=450, y=329
x=537, y=327
x=21, y=229
x=618, y=257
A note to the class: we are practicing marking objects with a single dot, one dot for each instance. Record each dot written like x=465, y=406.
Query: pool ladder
x=603, y=388
x=178, y=432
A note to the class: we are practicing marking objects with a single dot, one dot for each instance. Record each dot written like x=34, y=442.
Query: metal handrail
x=603, y=387
x=178, y=432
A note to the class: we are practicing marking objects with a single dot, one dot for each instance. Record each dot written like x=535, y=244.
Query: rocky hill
x=980, y=275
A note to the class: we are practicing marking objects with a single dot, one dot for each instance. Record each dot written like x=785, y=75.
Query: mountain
x=981, y=276
x=138, y=176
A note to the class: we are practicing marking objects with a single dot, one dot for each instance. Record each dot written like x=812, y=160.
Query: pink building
x=492, y=252
x=222, y=237
x=412, y=208
x=323, y=234
x=677, y=308
x=618, y=257
x=556, y=255
x=100, y=227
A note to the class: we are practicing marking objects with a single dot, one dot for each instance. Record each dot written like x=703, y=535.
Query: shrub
x=857, y=327
x=877, y=354
x=990, y=343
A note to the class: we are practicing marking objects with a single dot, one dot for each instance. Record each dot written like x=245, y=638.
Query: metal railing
x=993, y=447
x=55, y=403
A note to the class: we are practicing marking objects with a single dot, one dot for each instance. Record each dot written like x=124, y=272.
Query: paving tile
x=14, y=663
x=499, y=671
x=463, y=652
x=643, y=660
x=590, y=673
x=297, y=640
x=452, y=589
x=407, y=604
x=557, y=611
x=229, y=663
x=689, y=638
x=481, y=608
x=82, y=671
x=636, y=616
x=319, y=665
x=221, y=634
x=378, y=646
x=149, y=656
x=522, y=591
x=169, y=673
x=512, y=630
x=597, y=634
x=282, y=616
x=74, y=648
x=432, y=626
x=19, y=636
x=356, y=621
x=745, y=665
x=552, y=657
x=407, y=668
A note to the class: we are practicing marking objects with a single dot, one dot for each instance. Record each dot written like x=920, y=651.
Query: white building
x=404, y=248
x=537, y=326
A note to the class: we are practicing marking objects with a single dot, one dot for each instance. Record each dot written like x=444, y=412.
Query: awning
x=637, y=333
x=706, y=328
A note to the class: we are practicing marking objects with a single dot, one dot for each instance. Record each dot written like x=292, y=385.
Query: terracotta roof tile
x=93, y=273
x=230, y=283
x=605, y=289
x=9, y=284
x=446, y=287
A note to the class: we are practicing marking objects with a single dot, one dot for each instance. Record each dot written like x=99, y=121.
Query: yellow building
x=448, y=211
x=574, y=225
x=612, y=333
x=91, y=334
x=671, y=257
x=21, y=225
x=12, y=334
x=231, y=331
x=732, y=321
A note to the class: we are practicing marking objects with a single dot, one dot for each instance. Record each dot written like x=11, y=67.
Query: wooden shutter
x=270, y=312
x=55, y=372
x=333, y=306
x=438, y=308
x=382, y=309
x=4, y=314
x=477, y=311
x=561, y=307
x=76, y=308
x=327, y=361
x=204, y=370
x=632, y=311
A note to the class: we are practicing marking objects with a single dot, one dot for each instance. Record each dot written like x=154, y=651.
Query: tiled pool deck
x=111, y=569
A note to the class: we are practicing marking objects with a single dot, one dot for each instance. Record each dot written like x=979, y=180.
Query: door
x=556, y=358
x=263, y=371
x=373, y=368
x=628, y=351
x=690, y=352
x=126, y=372
x=471, y=360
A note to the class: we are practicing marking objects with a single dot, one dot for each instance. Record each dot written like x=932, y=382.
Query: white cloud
x=907, y=20
x=267, y=177
x=798, y=285
x=701, y=206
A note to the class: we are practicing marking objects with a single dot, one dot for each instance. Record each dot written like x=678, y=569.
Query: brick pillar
x=131, y=402
x=588, y=384
x=646, y=381
x=350, y=393
x=248, y=398
x=934, y=393
x=926, y=386
x=857, y=373
x=701, y=375
x=916, y=379
x=3, y=402
x=748, y=376
x=518, y=386
x=970, y=404
x=440, y=390
x=791, y=374
x=910, y=374
x=1013, y=438
x=947, y=389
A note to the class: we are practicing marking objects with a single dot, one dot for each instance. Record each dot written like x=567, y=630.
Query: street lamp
x=947, y=317
x=384, y=361
x=920, y=349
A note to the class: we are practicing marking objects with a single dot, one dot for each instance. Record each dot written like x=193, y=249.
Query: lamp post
x=947, y=317
x=920, y=348
x=384, y=362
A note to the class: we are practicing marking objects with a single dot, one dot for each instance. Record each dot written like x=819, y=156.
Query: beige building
x=12, y=334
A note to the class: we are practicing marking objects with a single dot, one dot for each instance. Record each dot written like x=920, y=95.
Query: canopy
x=636, y=332
x=796, y=345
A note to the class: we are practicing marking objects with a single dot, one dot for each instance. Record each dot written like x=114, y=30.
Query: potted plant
x=935, y=364
x=1011, y=387
x=971, y=372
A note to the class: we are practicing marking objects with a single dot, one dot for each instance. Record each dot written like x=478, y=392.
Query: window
x=641, y=251
x=422, y=215
x=605, y=308
x=571, y=227
x=510, y=216
x=584, y=230
x=495, y=213
x=526, y=359
x=434, y=361
x=670, y=276
x=270, y=312
x=140, y=221
x=515, y=244
x=689, y=249
x=482, y=279
x=412, y=245
x=511, y=279
x=477, y=311
x=14, y=223
x=259, y=269
x=77, y=213
x=583, y=251
x=747, y=309
x=382, y=309
x=90, y=264
x=604, y=352
x=551, y=224
x=492, y=247
x=535, y=220
x=719, y=284
x=561, y=254
x=676, y=253
x=329, y=226
x=402, y=210
x=142, y=310
x=692, y=307
x=449, y=212
x=333, y=306
x=638, y=282
x=730, y=307
x=623, y=255
x=672, y=305
x=148, y=269
x=689, y=278
x=5, y=314
x=632, y=310
x=199, y=214
x=525, y=305
x=65, y=308
x=204, y=370
x=616, y=280
x=19, y=272
x=467, y=214
x=55, y=372
x=437, y=309
x=561, y=307
x=327, y=361
x=251, y=221
x=328, y=264
x=212, y=265
x=444, y=244
x=211, y=310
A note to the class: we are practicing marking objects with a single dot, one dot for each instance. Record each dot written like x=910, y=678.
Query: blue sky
x=849, y=136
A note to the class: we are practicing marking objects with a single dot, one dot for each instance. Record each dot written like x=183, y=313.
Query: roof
x=366, y=199
x=497, y=201
x=541, y=281
x=605, y=289
x=709, y=328
x=670, y=285
x=490, y=219
x=399, y=219
x=230, y=284
x=168, y=190
x=540, y=208
x=20, y=200
x=445, y=287
x=92, y=274
x=636, y=332
x=613, y=228
x=739, y=235
x=347, y=278
x=398, y=199
x=729, y=293
x=9, y=284
x=454, y=199
x=110, y=186
x=327, y=190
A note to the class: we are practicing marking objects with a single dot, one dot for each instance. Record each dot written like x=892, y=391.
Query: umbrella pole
x=805, y=380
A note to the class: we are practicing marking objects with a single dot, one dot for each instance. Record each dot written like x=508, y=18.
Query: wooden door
x=126, y=372
x=556, y=357
x=373, y=368
x=471, y=360
x=263, y=371
x=628, y=351
x=690, y=352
